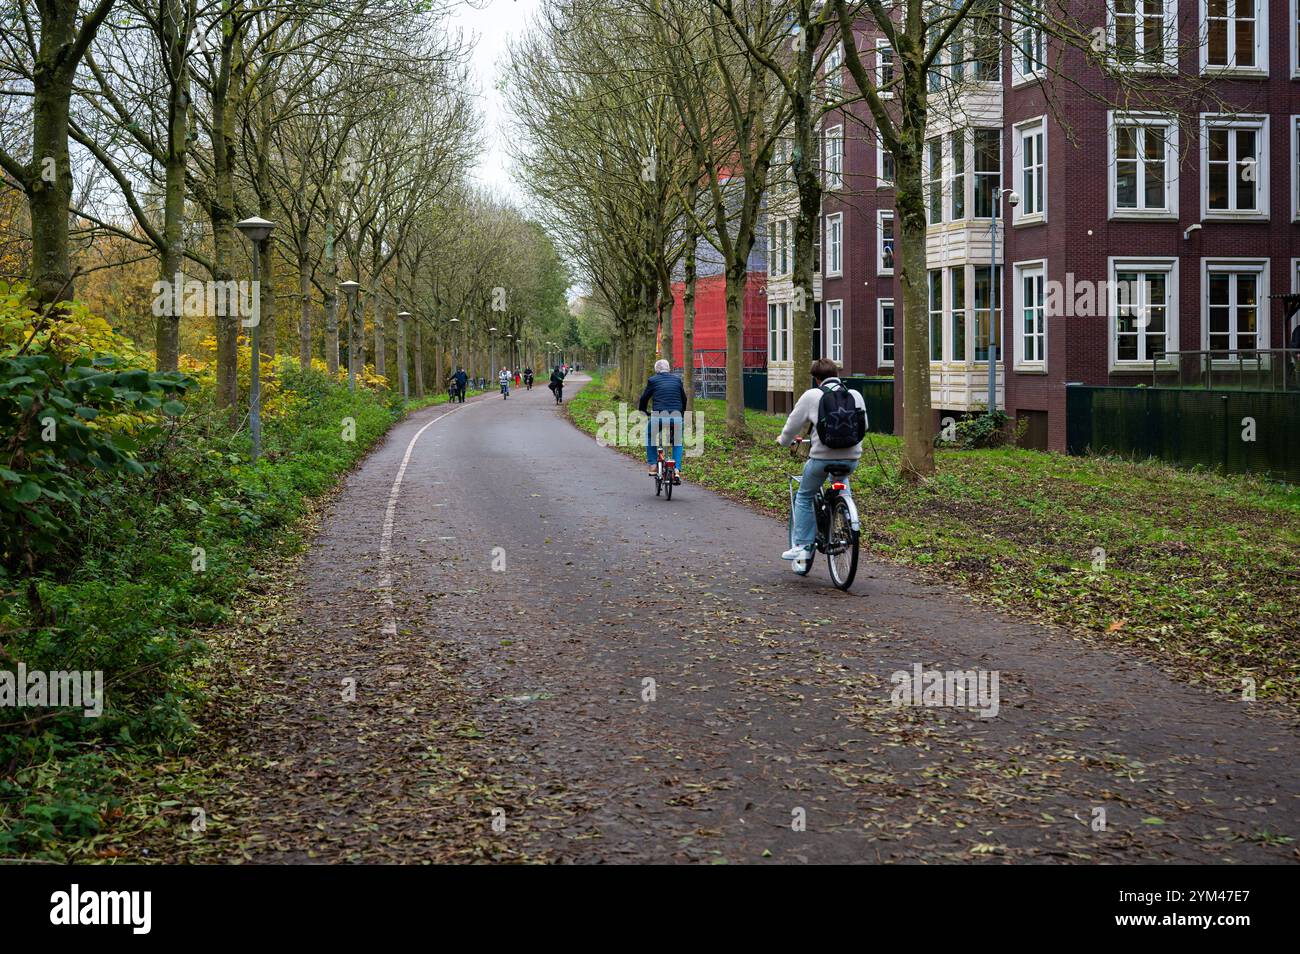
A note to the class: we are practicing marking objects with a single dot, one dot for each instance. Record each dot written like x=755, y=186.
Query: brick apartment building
x=1196, y=213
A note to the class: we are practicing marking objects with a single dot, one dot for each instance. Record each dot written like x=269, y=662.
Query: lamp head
x=255, y=229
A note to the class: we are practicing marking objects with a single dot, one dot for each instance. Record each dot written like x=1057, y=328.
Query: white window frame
x=1261, y=41
x=1116, y=118
x=1116, y=264
x=881, y=360
x=1258, y=122
x=1295, y=168
x=1019, y=269
x=881, y=181
x=881, y=215
x=881, y=45
x=834, y=325
x=834, y=157
x=833, y=72
x=1258, y=266
x=778, y=331
x=1036, y=126
x=1021, y=76
x=1167, y=62
x=838, y=219
x=1293, y=33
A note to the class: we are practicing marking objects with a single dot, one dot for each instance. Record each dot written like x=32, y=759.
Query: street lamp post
x=492, y=353
x=402, y=317
x=257, y=231
x=350, y=290
x=995, y=282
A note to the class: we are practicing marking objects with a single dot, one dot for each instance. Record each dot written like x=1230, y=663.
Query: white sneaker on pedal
x=797, y=553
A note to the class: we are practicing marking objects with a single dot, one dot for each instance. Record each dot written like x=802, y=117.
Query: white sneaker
x=797, y=553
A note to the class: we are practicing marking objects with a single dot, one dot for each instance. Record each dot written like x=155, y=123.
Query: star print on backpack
x=840, y=422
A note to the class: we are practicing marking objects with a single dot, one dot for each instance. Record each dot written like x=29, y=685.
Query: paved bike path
x=523, y=694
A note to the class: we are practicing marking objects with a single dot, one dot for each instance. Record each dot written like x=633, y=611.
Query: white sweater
x=804, y=418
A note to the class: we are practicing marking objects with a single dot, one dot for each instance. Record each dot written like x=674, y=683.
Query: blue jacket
x=666, y=391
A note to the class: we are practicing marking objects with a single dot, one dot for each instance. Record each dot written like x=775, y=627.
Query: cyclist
x=665, y=389
x=504, y=378
x=837, y=418
x=461, y=380
x=528, y=378
x=557, y=384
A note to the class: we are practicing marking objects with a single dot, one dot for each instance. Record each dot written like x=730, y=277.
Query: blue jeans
x=814, y=474
x=673, y=419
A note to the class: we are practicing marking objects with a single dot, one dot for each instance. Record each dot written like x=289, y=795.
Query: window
x=835, y=243
x=988, y=311
x=1143, y=307
x=1030, y=56
x=834, y=157
x=834, y=77
x=1031, y=170
x=1030, y=317
x=988, y=169
x=1143, y=176
x=1234, y=166
x=884, y=67
x=1295, y=168
x=957, y=289
x=934, y=181
x=1295, y=39
x=885, y=245
x=884, y=167
x=1144, y=33
x=936, y=314
x=835, y=331
x=885, y=331
x=1233, y=34
x=778, y=331
x=779, y=252
x=957, y=177
x=1234, y=319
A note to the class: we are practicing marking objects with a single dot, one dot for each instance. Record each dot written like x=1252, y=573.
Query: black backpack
x=840, y=422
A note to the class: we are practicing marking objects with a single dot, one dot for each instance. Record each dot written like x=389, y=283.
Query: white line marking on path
x=390, y=517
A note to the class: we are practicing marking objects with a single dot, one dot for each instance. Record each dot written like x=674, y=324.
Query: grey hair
x=662, y=366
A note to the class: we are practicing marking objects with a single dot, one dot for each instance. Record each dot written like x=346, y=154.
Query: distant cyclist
x=504, y=379
x=837, y=417
x=528, y=378
x=461, y=380
x=664, y=389
x=557, y=384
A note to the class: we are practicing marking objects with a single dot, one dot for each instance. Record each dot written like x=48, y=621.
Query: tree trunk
x=402, y=380
x=331, y=297
x=419, y=360
x=222, y=214
x=918, y=446
x=49, y=184
x=167, y=328
x=807, y=180
x=737, y=279
x=688, y=322
x=304, y=315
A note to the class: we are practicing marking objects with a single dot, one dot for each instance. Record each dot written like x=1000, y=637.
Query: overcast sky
x=492, y=24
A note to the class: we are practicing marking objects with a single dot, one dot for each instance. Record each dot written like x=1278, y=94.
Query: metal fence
x=1233, y=431
x=1262, y=369
x=878, y=393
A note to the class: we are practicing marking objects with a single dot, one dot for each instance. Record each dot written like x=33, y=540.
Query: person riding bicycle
x=462, y=382
x=665, y=389
x=528, y=378
x=837, y=418
x=504, y=379
x=557, y=384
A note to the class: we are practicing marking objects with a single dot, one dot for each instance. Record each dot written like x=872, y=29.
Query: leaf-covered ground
x=1201, y=572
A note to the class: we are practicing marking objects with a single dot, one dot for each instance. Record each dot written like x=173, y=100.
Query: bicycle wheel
x=841, y=545
x=668, y=483
x=802, y=567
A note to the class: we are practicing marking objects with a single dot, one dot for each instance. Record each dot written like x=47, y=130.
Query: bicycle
x=666, y=476
x=558, y=390
x=505, y=390
x=838, y=528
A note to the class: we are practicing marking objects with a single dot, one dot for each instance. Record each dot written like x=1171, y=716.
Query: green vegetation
x=1201, y=572
x=146, y=527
